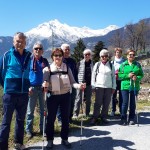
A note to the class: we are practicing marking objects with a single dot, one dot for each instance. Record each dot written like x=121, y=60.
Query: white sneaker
x=112, y=114
x=18, y=146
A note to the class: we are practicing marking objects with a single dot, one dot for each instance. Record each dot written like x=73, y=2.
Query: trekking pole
x=129, y=101
x=135, y=94
x=45, y=115
x=82, y=116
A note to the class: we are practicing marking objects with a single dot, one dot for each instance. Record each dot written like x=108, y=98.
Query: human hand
x=131, y=74
x=30, y=91
x=134, y=77
x=82, y=86
x=45, y=86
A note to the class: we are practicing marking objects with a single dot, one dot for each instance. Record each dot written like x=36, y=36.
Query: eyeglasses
x=105, y=56
x=38, y=48
x=87, y=54
x=132, y=55
x=59, y=55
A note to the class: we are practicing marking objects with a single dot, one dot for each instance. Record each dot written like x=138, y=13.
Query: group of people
x=26, y=77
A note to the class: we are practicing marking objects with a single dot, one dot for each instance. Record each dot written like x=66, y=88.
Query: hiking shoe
x=131, y=122
x=123, y=122
x=66, y=144
x=112, y=114
x=29, y=135
x=104, y=121
x=49, y=144
x=93, y=121
x=18, y=146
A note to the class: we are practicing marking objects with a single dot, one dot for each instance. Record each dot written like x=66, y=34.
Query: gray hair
x=63, y=46
x=38, y=43
x=87, y=51
x=20, y=34
x=104, y=52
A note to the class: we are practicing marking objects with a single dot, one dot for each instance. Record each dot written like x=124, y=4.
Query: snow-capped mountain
x=56, y=33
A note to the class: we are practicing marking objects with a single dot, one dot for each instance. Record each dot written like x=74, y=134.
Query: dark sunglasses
x=87, y=54
x=38, y=48
x=104, y=56
x=131, y=54
x=60, y=55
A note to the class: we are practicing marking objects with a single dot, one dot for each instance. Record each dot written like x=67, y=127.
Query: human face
x=66, y=52
x=37, y=51
x=57, y=58
x=104, y=58
x=87, y=56
x=118, y=54
x=131, y=56
x=19, y=43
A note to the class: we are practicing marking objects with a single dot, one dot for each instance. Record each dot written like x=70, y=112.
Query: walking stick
x=82, y=104
x=44, y=120
x=135, y=94
x=129, y=102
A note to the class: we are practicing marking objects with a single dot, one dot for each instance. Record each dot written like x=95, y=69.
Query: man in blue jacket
x=14, y=77
x=35, y=90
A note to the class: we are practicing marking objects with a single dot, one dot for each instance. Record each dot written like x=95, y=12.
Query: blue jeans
x=72, y=96
x=11, y=103
x=37, y=94
x=125, y=104
x=53, y=102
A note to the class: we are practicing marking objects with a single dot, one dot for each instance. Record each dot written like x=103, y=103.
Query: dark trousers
x=114, y=98
x=72, y=100
x=102, y=101
x=52, y=105
x=11, y=103
x=125, y=104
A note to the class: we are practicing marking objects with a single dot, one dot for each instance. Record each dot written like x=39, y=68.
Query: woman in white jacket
x=104, y=83
x=60, y=80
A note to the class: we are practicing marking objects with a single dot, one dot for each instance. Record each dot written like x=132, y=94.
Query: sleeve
x=94, y=75
x=113, y=77
x=72, y=80
x=140, y=74
x=121, y=73
x=46, y=74
x=1, y=72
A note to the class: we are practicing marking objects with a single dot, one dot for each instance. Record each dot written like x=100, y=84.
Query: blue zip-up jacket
x=36, y=76
x=14, y=71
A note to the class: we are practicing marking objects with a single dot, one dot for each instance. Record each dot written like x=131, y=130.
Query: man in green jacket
x=130, y=73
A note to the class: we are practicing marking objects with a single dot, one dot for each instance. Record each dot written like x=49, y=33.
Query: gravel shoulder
x=110, y=137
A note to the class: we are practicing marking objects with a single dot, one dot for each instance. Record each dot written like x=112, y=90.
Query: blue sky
x=23, y=15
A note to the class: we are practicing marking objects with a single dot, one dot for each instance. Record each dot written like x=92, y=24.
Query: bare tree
x=117, y=40
x=136, y=36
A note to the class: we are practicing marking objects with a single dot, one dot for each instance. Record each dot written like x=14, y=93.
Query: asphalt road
x=110, y=137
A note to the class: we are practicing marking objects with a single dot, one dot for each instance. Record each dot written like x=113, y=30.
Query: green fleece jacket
x=123, y=74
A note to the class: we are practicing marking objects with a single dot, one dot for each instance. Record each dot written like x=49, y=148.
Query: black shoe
x=93, y=122
x=49, y=144
x=66, y=144
x=123, y=122
x=104, y=121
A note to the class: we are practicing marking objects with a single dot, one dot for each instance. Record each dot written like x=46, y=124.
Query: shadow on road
x=92, y=140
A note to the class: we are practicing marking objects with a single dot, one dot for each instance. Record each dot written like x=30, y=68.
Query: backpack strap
x=97, y=70
x=59, y=72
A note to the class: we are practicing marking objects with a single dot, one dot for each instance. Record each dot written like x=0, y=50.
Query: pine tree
x=78, y=50
x=97, y=48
